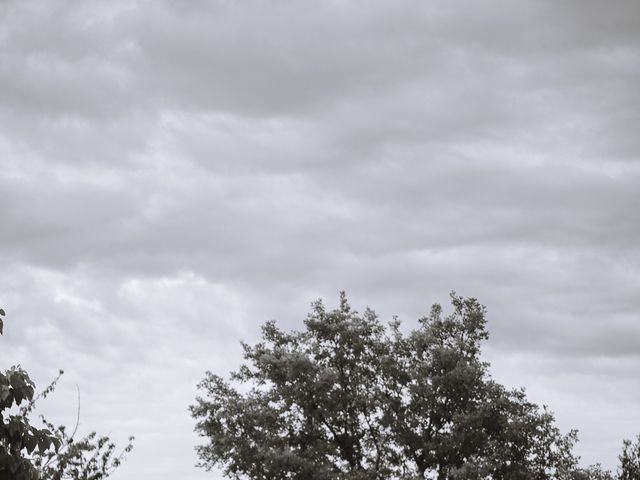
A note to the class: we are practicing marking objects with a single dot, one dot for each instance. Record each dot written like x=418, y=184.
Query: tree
x=349, y=398
x=30, y=453
x=92, y=457
x=630, y=460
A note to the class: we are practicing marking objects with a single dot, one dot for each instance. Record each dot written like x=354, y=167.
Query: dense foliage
x=349, y=398
x=30, y=453
x=18, y=438
x=630, y=460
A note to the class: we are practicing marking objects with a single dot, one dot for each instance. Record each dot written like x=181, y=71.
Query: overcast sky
x=174, y=174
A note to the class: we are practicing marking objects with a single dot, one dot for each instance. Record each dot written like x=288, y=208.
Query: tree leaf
x=31, y=443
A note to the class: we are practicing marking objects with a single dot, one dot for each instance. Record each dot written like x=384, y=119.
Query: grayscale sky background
x=173, y=174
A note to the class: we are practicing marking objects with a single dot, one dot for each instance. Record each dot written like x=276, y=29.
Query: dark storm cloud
x=175, y=173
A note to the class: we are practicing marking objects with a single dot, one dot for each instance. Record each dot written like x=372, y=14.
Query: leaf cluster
x=18, y=438
x=92, y=457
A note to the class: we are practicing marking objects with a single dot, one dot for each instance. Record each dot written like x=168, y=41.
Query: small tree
x=351, y=399
x=92, y=457
x=630, y=460
x=30, y=453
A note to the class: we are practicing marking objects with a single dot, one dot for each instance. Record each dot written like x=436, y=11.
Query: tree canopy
x=351, y=398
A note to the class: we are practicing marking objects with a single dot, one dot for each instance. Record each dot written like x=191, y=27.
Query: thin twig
x=77, y=416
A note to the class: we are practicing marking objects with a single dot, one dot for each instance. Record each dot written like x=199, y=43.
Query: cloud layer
x=173, y=174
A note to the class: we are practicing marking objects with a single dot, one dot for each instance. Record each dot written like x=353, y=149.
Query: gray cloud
x=173, y=174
